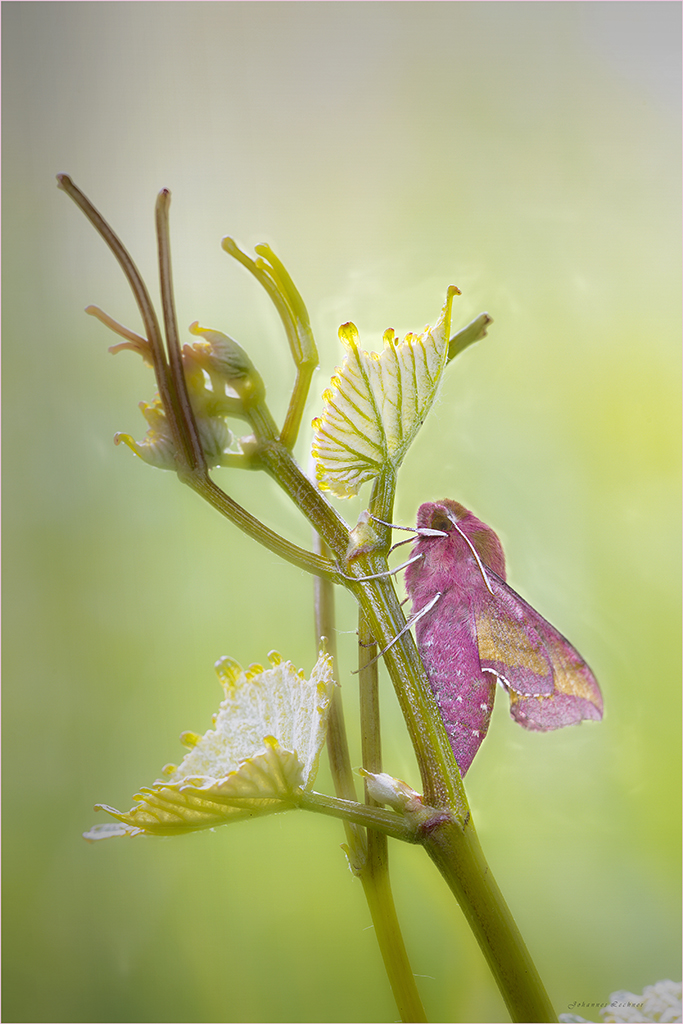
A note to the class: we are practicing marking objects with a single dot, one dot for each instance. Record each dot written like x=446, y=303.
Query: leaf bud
x=227, y=363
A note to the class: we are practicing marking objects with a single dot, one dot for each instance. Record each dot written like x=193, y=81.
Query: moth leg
x=389, y=572
x=409, y=624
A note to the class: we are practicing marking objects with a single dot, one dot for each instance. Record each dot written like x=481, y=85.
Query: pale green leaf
x=262, y=753
x=376, y=404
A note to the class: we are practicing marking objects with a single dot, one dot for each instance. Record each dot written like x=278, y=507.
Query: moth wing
x=510, y=645
x=549, y=683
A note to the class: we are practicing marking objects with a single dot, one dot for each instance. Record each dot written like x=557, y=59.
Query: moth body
x=479, y=631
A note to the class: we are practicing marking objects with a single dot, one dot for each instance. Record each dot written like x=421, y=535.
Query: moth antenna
x=389, y=572
x=409, y=624
x=474, y=552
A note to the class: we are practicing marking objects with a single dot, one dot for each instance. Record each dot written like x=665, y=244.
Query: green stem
x=283, y=468
x=458, y=854
x=254, y=528
x=273, y=276
x=371, y=741
x=375, y=873
x=337, y=743
x=395, y=825
x=193, y=454
x=455, y=849
x=377, y=888
x=474, y=331
x=144, y=303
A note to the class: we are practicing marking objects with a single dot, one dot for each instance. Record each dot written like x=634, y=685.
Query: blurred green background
x=527, y=152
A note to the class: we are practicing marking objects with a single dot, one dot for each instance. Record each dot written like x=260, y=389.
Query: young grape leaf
x=377, y=402
x=261, y=754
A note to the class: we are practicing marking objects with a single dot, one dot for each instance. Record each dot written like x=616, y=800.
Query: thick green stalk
x=457, y=853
